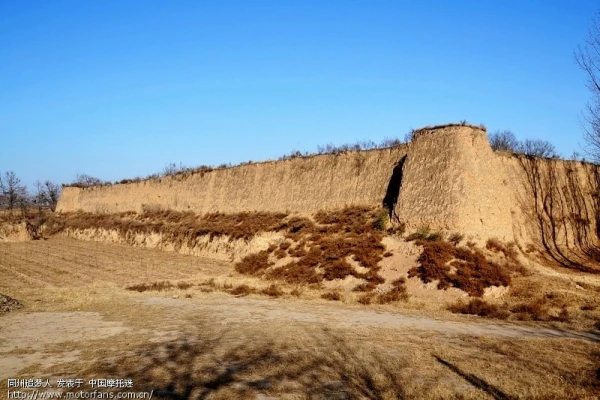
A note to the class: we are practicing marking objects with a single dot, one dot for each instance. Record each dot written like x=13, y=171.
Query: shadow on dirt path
x=251, y=311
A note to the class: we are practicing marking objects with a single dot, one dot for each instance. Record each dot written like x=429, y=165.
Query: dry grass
x=456, y=238
x=480, y=308
x=241, y=290
x=322, y=248
x=473, y=272
x=424, y=234
x=179, y=226
x=155, y=286
x=333, y=296
x=250, y=354
x=272, y=291
x=395, y=294
x=159, y=286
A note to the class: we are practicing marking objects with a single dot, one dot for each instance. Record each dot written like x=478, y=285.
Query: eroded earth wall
x=303, y=185
x=448, y=178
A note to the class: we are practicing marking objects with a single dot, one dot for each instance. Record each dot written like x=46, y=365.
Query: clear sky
x=117, y=89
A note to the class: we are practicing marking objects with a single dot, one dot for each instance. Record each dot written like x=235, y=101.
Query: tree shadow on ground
x=475, y=381
x=226, y=366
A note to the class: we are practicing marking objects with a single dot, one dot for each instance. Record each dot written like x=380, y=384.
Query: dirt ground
x=79, y=321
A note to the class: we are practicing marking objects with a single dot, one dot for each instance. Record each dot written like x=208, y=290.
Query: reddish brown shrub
x=295, y=272
x=253, y=264
x=365, y=287
x=349, y=232
x=339, y=269
x=280, y=253
x=397, y=293
x=473, y=273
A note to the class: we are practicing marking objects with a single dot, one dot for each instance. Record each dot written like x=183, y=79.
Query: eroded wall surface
x=303, y=185
x=446, y=179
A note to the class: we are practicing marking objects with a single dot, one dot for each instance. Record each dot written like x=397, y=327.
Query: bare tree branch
x=587, y=57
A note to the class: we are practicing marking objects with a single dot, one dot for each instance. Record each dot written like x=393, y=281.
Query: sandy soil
x=210, y=344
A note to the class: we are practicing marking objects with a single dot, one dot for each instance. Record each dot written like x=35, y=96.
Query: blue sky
x=117, y=89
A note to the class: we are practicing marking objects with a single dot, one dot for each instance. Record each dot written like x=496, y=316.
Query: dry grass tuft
x=184, y=285
x=334, y=296
x=536, y=310
x=365, y=287
x=456, y=238
x=366, y=298
x=155, y=286
x=241, y=290
x=272, y=291
x=509, y=251
x=480, y=308
x=473, y=272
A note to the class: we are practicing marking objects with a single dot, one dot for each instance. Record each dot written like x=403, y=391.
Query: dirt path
x=258, y=311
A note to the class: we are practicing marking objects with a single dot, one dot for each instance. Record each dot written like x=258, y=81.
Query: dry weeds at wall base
x=323, y=250
x=174, y=226
x=472, y=273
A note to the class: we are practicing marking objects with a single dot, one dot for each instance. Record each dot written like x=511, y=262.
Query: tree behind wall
x=507, y=141
x=587, y=58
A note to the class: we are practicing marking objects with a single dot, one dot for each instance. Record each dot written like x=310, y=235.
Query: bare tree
x=507, y=141
x=86, y=180
x=537, y=148
x=52, y=193
x=12, y=191
x=39, y=197
x=503, y=141
x=23, y=199
x=587, y=58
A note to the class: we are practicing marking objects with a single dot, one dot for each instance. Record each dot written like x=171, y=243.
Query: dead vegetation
x=324, y=249
x=480, y=308
x=177, y=226
x=534, y=310
x=458, y=267
x=333, y=296
x=158, y=286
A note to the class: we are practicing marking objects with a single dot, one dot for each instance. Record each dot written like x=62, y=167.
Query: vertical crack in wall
x=393, y=190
